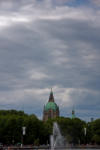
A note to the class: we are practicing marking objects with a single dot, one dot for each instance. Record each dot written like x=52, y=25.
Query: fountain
x=56, y=140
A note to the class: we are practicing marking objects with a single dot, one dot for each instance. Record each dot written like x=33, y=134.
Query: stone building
x=51, y=110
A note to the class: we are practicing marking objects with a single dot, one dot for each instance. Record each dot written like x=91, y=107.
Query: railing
x=48, y=147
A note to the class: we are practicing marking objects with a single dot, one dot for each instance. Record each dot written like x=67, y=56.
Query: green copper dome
x=51, y=105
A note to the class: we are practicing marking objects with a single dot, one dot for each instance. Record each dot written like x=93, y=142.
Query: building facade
x=51, y=109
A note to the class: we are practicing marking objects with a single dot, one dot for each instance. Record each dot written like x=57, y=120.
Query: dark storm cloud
x=44, y=46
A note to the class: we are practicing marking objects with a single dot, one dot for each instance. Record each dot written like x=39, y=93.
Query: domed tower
x=51, y=110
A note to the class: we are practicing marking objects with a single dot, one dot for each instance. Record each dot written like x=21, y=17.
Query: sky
x=48, y=44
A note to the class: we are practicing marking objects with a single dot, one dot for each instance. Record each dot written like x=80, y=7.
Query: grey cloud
x=95, y=2
x=62, y=52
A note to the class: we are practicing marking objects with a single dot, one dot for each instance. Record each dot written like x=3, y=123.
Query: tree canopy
x=38, y=132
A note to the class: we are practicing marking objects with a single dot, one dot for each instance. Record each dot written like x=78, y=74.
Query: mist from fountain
x=57, y=140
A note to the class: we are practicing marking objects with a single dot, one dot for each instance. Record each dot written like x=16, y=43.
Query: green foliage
x=36, y=142
x=72, y=129
x=95, y=129
x=11, y=123
x=38, y=132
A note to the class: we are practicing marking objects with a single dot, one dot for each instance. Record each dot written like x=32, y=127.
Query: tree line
x=38, y=132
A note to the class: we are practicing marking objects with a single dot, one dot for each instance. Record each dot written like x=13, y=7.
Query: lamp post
x=23, y=133
x=85, y=132
x=13, y=140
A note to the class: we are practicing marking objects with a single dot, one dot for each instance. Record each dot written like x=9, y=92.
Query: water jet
x=56, y=139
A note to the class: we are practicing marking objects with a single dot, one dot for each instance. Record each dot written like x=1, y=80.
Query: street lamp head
x=24, y=130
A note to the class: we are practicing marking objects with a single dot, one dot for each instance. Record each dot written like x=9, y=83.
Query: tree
x=95, y=125
x=37, y=131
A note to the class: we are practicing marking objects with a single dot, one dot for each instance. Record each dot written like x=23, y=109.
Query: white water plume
x=56, y=140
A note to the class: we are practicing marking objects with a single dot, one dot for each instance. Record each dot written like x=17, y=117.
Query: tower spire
x=73, y=113
x=51, y=97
